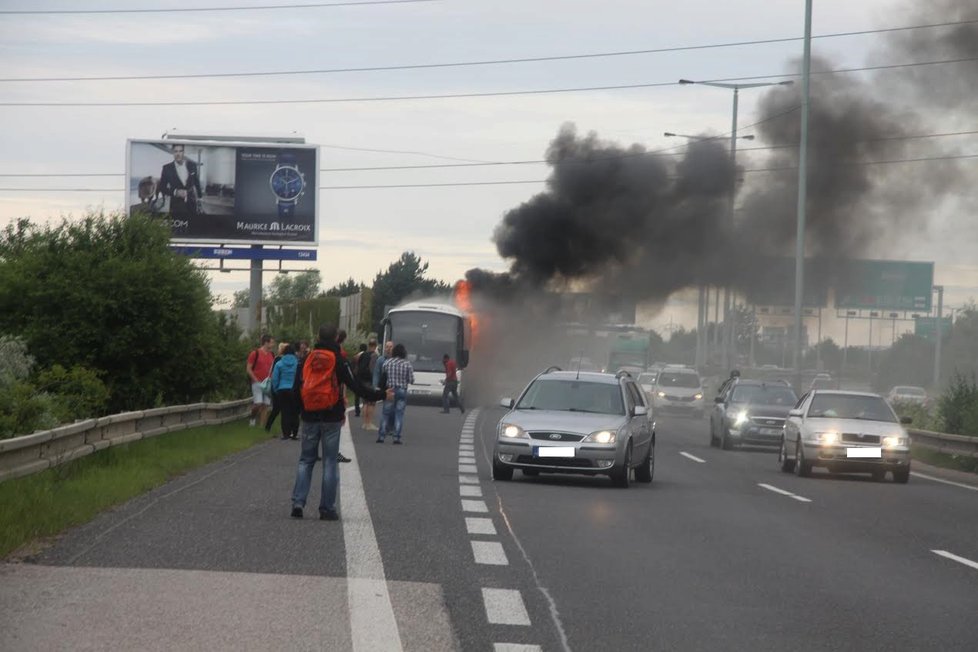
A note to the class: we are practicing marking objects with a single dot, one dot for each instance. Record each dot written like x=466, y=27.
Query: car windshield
x=764, y=395
x=572, y=395
x=646, y=379
x=667, y=379
x=846, y=406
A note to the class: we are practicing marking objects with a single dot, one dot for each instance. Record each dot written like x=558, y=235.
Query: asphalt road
x=431, y=554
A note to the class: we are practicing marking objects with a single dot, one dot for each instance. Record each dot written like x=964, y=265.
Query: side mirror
x=640, y=410
x=718, y=400
x=906, y=420
x=794, y=413
x=507, y=403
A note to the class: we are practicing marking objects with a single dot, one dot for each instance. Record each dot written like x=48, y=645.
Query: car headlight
x=828, y=438
x=661, y=394
x=512, y=431
x=602, y=437
x=895, y=441
x=697, y=396
x=739, y=417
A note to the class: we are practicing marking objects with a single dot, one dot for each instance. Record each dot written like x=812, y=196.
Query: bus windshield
x=427, y=336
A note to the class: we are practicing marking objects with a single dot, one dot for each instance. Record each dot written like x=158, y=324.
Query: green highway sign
x=924, y=327
x=884, y=285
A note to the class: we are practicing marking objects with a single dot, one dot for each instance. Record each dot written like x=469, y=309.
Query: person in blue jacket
x=283, y=385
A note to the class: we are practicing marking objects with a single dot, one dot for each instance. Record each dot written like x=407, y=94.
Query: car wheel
x=803, y=468
x=501, y=471
x=879, y=475
x=531, y=473
x=787, y=465
x=621, y=476
x=645, y=470
x=901, y=476
x=725, y=442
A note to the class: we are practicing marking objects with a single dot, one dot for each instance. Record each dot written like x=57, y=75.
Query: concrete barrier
x=38, y=451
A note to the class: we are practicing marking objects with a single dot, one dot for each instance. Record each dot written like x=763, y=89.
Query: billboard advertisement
x=226, y=193
x=885, y=285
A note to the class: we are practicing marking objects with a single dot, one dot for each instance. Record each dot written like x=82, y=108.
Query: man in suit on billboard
x=180, y=182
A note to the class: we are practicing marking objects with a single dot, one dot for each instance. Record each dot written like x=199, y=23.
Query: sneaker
x=340, y=457
x=380, y=440
x=252, y=423
x=293, y=436
x=329, y=515
x=397, y=442
x=283, y=437
x=445, y=411
x=296, y=512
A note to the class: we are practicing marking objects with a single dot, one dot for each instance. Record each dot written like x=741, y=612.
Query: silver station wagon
x=577, y=422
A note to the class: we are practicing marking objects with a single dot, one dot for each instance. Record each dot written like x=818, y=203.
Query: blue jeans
x=314, y=432
x=392, y=419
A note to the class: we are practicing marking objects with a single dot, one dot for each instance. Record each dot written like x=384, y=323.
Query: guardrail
x=944, y=443
x=36, y=452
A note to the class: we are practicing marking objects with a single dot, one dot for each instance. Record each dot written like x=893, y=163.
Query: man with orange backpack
x=319, y=384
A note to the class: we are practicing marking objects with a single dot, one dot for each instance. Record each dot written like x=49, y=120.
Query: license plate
x=555, y=451
x=417, y=391
x=874, y=452
x=769, y=431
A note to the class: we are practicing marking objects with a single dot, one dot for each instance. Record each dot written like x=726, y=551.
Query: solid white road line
x=960, y=560
x=478, y=525
x=372, y=622
x=505, y=607
x=474, y=491
x=956, y=484
x=468, y=479
x=515, y=647
x=478, y=506
x=783, y=492
x=692, y=457
x=489, y=552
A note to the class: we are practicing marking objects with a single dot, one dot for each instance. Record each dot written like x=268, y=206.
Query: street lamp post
x=937, y=333
x=727, y=342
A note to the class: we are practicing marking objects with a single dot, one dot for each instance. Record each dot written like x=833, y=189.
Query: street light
x=727, y=342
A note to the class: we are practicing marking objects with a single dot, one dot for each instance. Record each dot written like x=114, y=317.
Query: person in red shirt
x=259, y=367
x=451, y=384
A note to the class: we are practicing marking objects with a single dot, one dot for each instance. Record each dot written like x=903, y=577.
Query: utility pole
x=802, y=191
x=938, y=333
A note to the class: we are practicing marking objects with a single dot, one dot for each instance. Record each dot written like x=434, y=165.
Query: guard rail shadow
x=42, y=450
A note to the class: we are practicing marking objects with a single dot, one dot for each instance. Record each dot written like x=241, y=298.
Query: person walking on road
x=356, y=369
x=399, y=374
x=276, y=408
x=379, y=378
x=451, y=385
x=320, y=384
x=365, y=374
x=283, y=385
x=259, y=368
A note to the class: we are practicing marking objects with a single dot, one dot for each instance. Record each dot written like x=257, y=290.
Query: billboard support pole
x=938, y=332
x=254, y=301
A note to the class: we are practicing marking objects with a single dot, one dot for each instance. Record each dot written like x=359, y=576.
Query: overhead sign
x=884, y=285
x=925, y=326
x=231, y=253
x=260, y=193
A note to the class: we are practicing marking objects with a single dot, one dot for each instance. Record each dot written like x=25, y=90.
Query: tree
x=107, y=294
x=910, y=361
x=404, y=278
x=289, y=288
x=242, y=298
x=345, y=289
x=959, y=353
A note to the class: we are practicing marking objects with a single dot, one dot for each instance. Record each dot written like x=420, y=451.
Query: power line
x=487, y=62
x=516, y=182
x=313, y=5
x=393, y=98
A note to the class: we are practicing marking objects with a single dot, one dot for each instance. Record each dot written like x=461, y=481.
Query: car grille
x=576, y=462
x=684, y=399
x=769, y=422
x=555, y=436
x=854, y=438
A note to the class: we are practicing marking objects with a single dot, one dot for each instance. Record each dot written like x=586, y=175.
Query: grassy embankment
x=46, y=503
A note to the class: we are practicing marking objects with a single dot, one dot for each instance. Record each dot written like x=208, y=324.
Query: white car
x=646, y=381
x=907, y=394
x=845, y=432
x=679, y=389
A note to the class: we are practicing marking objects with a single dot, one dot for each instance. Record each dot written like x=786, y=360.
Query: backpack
x=365, y=364
x=320, y=389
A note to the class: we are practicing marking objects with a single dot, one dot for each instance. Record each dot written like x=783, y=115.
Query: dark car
x=750, y=412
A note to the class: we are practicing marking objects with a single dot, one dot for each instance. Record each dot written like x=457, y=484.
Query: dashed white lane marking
x=475, y=506
x=467, y=468
x=692, y=457
x=466, y=440
x=372, y=622
x=473, y=491
x=468, y=479
x=478, y=525
x=489, y=552
x=950, y=482
x=515, y=647
x=783, y=492
x=505, y=607
x=466, y=447
x=960, y=560
x=467, y=460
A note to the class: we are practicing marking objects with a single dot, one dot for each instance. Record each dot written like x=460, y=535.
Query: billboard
x=226, y=192
x=884, y=285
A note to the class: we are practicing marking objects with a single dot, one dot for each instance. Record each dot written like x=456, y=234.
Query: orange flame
x=463, y=300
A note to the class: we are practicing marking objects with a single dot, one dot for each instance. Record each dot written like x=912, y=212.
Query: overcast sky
x=362, y=230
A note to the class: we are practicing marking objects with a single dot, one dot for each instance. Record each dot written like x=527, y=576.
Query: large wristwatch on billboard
x=287, y=184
